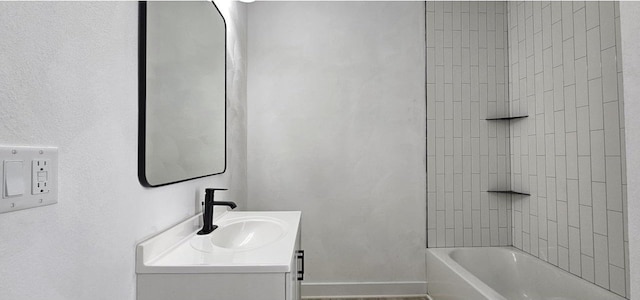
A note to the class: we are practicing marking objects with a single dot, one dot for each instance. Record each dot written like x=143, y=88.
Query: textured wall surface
x=566, y=74
x=630, y=40
x=467, y=155
x=336, y=130
x=69, y=79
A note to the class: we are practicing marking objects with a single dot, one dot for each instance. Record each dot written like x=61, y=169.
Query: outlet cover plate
x=30, y=198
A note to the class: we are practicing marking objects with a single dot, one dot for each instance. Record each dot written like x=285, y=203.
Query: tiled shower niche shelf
x=510, y=192
x=505, y=118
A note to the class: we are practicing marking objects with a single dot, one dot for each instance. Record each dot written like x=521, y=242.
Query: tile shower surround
x=564, y=72
x=467, y=81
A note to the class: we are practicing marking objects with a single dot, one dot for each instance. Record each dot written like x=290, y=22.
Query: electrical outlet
x=40, y=174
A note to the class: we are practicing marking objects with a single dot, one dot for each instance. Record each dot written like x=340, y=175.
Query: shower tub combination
x=502, y=273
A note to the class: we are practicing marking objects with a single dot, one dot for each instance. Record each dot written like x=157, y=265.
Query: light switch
x=13, y=178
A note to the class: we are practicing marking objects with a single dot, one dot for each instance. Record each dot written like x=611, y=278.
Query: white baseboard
x=364, y=289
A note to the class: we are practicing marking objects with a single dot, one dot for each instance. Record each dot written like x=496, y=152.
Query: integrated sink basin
x=248, y=233
x=241, y=234
x=244, y=242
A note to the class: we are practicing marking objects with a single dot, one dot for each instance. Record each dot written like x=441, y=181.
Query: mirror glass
x=182, y=91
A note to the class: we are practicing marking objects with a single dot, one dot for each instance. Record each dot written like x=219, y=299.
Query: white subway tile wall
x=559, y=63
x=467, y=82
x=576, y=94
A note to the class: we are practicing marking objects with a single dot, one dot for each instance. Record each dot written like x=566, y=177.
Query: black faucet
x=208, y=210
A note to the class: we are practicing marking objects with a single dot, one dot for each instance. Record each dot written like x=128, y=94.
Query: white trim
x=364, y=289
x=373, y=297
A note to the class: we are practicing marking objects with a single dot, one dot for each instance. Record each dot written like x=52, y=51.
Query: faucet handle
x=209, y=192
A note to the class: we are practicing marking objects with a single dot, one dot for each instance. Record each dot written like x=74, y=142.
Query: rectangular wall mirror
x=182, y=91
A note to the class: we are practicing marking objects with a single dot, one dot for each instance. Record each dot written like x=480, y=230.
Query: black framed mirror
x=182, y=91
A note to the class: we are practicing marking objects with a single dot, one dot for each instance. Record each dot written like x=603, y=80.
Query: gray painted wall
x=629, y=28
x=336, y=130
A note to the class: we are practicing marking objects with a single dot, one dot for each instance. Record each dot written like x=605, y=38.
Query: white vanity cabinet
x=294, y=278
x=180, y=272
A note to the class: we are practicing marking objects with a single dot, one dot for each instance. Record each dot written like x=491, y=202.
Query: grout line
x=606, y=215
x=426, y=126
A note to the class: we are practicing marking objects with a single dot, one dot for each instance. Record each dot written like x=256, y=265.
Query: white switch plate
x=39, y=188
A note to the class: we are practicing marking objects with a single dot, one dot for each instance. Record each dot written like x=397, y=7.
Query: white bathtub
x=502, y=273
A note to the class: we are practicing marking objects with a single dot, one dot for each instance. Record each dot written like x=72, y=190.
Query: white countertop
x=173, y=250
